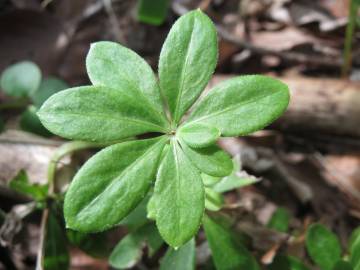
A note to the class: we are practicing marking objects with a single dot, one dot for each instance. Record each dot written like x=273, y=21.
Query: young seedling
x=126, y=100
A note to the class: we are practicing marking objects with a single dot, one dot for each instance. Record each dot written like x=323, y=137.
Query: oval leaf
x=242, y=105
x=109, y=186
x=179, y=198
x=323, y=246
x=180, y=259
x=21, y=79
x=187, y=61
x=199, y=135
x=226, y=252
x=112, y=65
x=210, y=160
x=97, y=113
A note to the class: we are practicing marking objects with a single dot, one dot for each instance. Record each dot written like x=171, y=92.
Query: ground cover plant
x=126, y=100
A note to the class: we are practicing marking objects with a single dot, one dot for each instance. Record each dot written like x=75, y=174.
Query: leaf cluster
x=126, y=99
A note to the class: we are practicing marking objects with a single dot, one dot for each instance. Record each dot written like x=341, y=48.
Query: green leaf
x=187, y=61
x=287, y=263
x=280, y=220
x=152, y=238
x=137, y=218
x=235, y=180
x=56, y=254
x=242, y=105
x=127, y=252
x=342, y=265
x=109, y=186
x=323, y=246
x=151, y=208
x=209, y=181
x=180, y=259
x=354, y=247
x=20, y=183
x=213, y=200
x=21, y=79
x=179, y=198
x=95, y=244
x=30, y=122
x=211, y=160
x=153, y=12
x=227, y=253
x=47, y=88
x=199, y=135
x=97, y=113
x=114, y=66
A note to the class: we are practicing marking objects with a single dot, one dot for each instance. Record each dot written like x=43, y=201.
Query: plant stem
x=64, y=150
x=349, y=38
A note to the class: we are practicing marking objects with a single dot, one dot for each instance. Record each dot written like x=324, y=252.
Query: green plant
x=23, y=82
x=142, y=231
x=324, y=249
x=126, y=100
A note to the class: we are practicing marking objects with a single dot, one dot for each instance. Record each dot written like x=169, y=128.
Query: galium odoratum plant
x=126, y=100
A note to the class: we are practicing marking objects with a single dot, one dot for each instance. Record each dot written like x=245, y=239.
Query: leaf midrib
x=205, y=117
x=120, y=175
x=111, y=117
x=182, y=77
x=135, y=89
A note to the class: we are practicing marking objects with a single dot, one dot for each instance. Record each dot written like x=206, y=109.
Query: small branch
x=114, y=21
x=41, y=251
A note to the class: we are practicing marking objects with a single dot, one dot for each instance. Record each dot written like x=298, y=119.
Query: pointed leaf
x=199, y=135
x=112, y=65
x=323, y=246
x=210, y=160
x=97, y=113
x=179, y=198
x=109, y=186
x=242, y=105
x=181, y=259
x=287, y=263
x=187, y=61
x=227, y=253
x=47, y=88
x=21, y=79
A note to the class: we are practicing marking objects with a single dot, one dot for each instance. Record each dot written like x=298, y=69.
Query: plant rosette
x=126, y=100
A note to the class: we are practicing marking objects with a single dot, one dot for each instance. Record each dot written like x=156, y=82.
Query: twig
x=41, y=253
